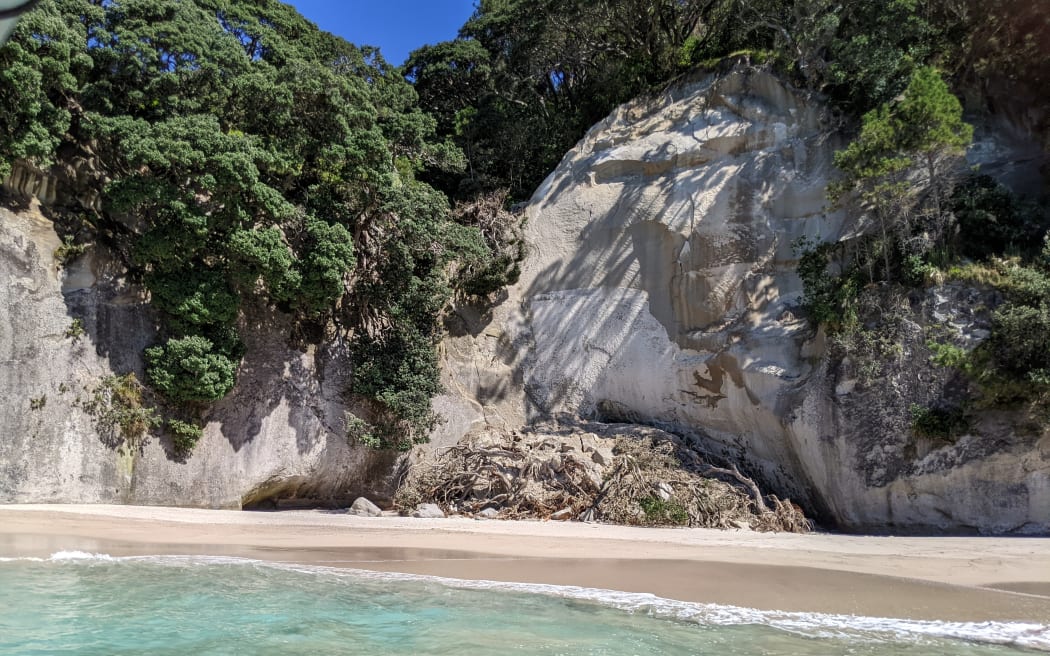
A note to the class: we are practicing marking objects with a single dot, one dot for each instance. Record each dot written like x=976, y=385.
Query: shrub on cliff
x=187, y=369
x=184, y=435
x=119, y=411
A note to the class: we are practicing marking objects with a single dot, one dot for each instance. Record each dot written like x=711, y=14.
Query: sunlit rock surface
x=660, y=288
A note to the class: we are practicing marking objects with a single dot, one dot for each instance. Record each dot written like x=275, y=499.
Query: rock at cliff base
x=362, y=507
x=428, y=511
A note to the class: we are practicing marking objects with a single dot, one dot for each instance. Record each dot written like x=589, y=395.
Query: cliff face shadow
x=276, y=373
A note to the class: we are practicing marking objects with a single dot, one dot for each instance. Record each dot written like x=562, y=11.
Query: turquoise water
x=76, y=603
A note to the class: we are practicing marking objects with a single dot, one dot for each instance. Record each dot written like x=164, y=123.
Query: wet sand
x=942, y=578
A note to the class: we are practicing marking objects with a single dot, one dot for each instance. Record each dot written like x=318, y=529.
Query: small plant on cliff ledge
x=949, y=355
x=69, y=250
x=120, y=416
x=828, y=298
x=939, y=423
x=75, y=330
x=38, y=403
x=360, y=432
x=184, y=435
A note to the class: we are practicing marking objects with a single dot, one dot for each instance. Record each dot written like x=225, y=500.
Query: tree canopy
x=248, y=158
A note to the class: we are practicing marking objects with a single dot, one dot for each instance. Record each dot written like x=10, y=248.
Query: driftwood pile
x=619, y=474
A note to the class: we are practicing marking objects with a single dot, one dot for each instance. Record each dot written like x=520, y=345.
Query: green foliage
x=189, y=370
x=38, y=81
x=663, y=513
x=526, y=78
x=38, y=403
x=921, y=131
x=69, y=250
x=939, y=423
x=875, y=49
x=1020, y=337
x=918, y=129
x=828, y=298
x=1002, y=44
x=395, y=363
x=949, y=355
x=916, y=271
x=399, y=372
x=184, y=435
x=250, y=159
x=1011, y=366
x=360, y=432
x=994, y=221
x=976, y=272
x=489, y=244
x=264, y=255
x=117, y=406
x=328, y=259
x=75, y=330
x=194, y=298
x=1027, y=286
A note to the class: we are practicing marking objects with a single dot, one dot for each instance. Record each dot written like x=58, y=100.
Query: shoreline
x=925, y=578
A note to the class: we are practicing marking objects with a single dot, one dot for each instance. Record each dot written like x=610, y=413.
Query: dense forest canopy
x=245, y=158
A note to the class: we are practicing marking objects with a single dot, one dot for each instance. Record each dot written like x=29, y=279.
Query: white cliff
x=660, y=288
x=279, y=433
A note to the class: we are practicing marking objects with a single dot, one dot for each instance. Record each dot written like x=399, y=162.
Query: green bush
x=184, y=435
x=328, y=260
x=360, y=433
x=194, y=299
x=69, y=250
x=938, y=422
x=75, y=330
x=263, y=254
x=117, y=406
x=1027, y=286
x=949, y=355
x=662, y=513
x=827, y=298
x=916, y=271
x=400, y=374
x=188, y=369
x=1021, y=338
x=994, y=221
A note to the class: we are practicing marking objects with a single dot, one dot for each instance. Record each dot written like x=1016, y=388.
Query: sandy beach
x=943, y=578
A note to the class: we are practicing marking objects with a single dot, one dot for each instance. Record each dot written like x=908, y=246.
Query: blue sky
x=397, y=26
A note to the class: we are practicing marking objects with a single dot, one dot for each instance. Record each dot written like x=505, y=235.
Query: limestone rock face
x=280, y=431
x=660, y=288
